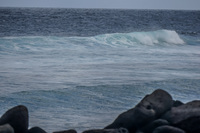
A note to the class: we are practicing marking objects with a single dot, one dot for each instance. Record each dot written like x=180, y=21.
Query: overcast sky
x=118, y=4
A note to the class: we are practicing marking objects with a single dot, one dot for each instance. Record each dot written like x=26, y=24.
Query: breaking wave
x=151, y=38
x=144, y=38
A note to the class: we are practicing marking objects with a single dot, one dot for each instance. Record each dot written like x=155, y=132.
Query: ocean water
x=80, y=68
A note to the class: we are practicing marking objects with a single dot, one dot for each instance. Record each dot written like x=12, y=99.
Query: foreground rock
x=6, y=129
x=149, y=128
x=168, y=129
x=186, y=117
x=155, y=113
x=36, y=130
x=66, y=131
x=120, y=130
x=150, y=108
x=17, y=117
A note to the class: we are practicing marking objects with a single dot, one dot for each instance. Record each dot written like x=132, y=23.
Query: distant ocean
x=80, y=68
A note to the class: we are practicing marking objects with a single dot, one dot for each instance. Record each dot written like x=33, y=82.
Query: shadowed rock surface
x=66, y=131
x=36, y=130
x=120, y=130
x=177, y=103
x=159, y=101
x=151, y=107
x=168, y=129
x=153, y=125
x=17, y=117
x=6, y=129
x=186, y=116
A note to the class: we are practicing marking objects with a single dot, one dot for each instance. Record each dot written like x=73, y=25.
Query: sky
x=116, y=4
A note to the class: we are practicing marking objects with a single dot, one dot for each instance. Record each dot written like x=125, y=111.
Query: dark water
x=80, y=68
x=90, y=22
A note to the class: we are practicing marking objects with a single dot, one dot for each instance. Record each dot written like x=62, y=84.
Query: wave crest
x=39, y=43
x=144, y=38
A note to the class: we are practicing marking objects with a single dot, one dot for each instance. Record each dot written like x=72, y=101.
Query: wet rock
x=36, y=130
x=151, y=107
x=153, y=125
x=17, y=117
x=120, y=130
x=66, y=131
x=186, y=116
x=168, y=129
x=6, y=129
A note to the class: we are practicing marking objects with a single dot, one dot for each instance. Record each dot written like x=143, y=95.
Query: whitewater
x=80, y=68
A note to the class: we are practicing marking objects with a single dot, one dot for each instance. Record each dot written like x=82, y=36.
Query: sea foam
x=144, y=38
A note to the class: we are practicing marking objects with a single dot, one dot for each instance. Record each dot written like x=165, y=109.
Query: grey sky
x=130, y=4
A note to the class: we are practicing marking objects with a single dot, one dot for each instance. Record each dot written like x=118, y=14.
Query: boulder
x=168, y=129
x=120, y=130
x=186, y=116
x=132, y=119
x=151, y=107
x=36, y=130
x=153, y=125
x=159, y=101
x=17, y=117
x=66, y=131
x=6, y=129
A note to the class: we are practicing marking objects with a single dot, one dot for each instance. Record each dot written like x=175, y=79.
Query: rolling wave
x=144, y=38
x=39, y=43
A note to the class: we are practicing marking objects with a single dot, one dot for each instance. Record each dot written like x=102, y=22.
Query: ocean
x=80, y=68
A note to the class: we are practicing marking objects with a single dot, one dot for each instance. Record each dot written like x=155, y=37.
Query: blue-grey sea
x=80, y=68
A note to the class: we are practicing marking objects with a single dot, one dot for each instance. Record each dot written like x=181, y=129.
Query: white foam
x=144, y=38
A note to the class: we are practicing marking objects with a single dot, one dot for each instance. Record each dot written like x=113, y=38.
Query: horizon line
x=111, y=8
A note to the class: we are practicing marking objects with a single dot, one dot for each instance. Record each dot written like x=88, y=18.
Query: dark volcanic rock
x=177, y=103
x=132, y=119
x=159, y=101
x=153, y=125
x=36, y=130
x=186, y=117
x=6, y=129
x=17, y=117
x=120, y=130
x=66, y=131
x=151, y=107
x=168, y=129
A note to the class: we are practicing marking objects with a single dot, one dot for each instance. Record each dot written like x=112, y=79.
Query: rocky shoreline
x=155, y=113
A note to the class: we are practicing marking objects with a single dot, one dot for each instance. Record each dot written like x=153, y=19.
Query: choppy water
x=80, y=68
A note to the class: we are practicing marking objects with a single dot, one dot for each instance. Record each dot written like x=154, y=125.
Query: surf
x=159, y=37
x=148, y=38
